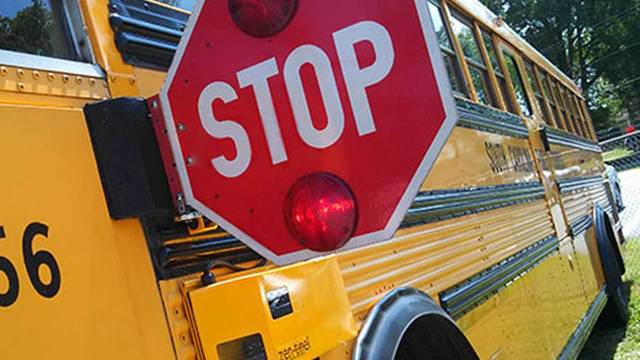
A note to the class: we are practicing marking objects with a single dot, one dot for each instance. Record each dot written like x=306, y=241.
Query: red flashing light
x=262, y=18
x=321, y=212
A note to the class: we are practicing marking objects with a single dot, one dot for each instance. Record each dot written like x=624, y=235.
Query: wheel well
x=444, y=340
x=606, y=232
x=408, y=324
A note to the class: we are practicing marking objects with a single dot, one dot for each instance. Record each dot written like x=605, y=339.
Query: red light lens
x=262, y=18
x=321, y=212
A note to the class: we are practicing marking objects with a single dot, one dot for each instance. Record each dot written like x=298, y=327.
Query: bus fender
x=605, y=236
x=615, y=312
x=406, y=317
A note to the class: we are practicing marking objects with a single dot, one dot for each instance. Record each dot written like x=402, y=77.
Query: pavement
x=630, y=184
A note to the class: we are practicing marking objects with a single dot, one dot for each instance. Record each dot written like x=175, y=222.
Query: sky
x=9, y=8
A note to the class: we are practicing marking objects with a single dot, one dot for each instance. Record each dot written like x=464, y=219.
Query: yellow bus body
x=111, y=303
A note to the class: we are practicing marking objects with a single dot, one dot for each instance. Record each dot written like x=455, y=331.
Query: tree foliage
x=596, y=42
x=29, y=31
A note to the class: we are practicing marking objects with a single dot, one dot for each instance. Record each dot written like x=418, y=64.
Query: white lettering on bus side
x=357, y=80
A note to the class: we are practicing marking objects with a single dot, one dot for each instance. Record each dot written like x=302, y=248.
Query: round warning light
x=262, y=18
x=321, y=212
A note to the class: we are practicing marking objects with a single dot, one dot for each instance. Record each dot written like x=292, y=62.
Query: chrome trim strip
x=483, y=118
x=563, y=138
x=438, y=205
x=44, y=63
x=474, y=291
x=579, y=183
x=581, y=225
x=583, y=330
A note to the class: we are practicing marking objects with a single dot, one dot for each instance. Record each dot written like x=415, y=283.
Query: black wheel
x=615, y=313
x=433, y=337
x=406, y=324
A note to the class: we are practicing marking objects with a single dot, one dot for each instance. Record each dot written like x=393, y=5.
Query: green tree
x=593, y=41
x=29, y=31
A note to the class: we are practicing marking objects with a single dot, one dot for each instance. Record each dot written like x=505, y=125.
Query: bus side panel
x=533, y=316
x=96, y=295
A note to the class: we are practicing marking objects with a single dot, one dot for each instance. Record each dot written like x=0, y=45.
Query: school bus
x=511, y=250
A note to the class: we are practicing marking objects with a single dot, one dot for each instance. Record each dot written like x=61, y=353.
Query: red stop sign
x=354, y=89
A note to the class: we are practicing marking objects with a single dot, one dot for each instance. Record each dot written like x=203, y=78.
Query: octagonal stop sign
x=307, y=127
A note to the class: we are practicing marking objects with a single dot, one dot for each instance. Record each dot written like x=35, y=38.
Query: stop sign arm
x=166, y=155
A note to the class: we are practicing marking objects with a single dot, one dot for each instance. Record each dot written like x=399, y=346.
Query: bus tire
x=406, y=325
x=615, y=312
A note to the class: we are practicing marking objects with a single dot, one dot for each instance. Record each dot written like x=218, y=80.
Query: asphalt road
x=630, y=183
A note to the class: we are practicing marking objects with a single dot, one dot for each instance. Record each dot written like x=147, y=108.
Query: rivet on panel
x=92, y=82
x=36, y=75
x=132, y=81
x=181, y=127
x=65, y=78
x=79, y=79
x=113, y=78
x=4, y=71
x=21, y=86
x=189, y=160
x=20, y=73
x=51, y=77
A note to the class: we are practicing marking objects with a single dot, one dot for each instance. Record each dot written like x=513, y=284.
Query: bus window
x=450, y=60
x=537, y=92
x=548, y=94
x=582, y=107
x=567, y=109
x=564, y=123
x=517, y=82
x=578, y=116
x=38, y=27
x=493, y=57
x=462, y=29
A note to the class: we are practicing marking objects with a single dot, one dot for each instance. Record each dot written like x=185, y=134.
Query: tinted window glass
x=518, y=84
x=467, y=39
x=488, y=43
x=38, y=27
x=449, y=55
x=441, y=31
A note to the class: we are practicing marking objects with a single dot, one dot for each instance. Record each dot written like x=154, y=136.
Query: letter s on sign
x=224, y=129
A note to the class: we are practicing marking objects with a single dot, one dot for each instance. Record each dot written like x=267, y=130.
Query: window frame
x=578, y=115
x=545, y=79
x=559, y=104
x=472, y=64
x=505, y=47
x=78, y=37
x=538, y=91
x=495, y=72
x=587, y=119
x=451, y=57
x=567, y=109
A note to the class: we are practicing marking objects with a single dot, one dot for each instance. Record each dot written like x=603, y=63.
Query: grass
x=621, y=343
x=617, y=153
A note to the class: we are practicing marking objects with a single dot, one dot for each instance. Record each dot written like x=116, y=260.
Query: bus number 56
x=32, y=263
